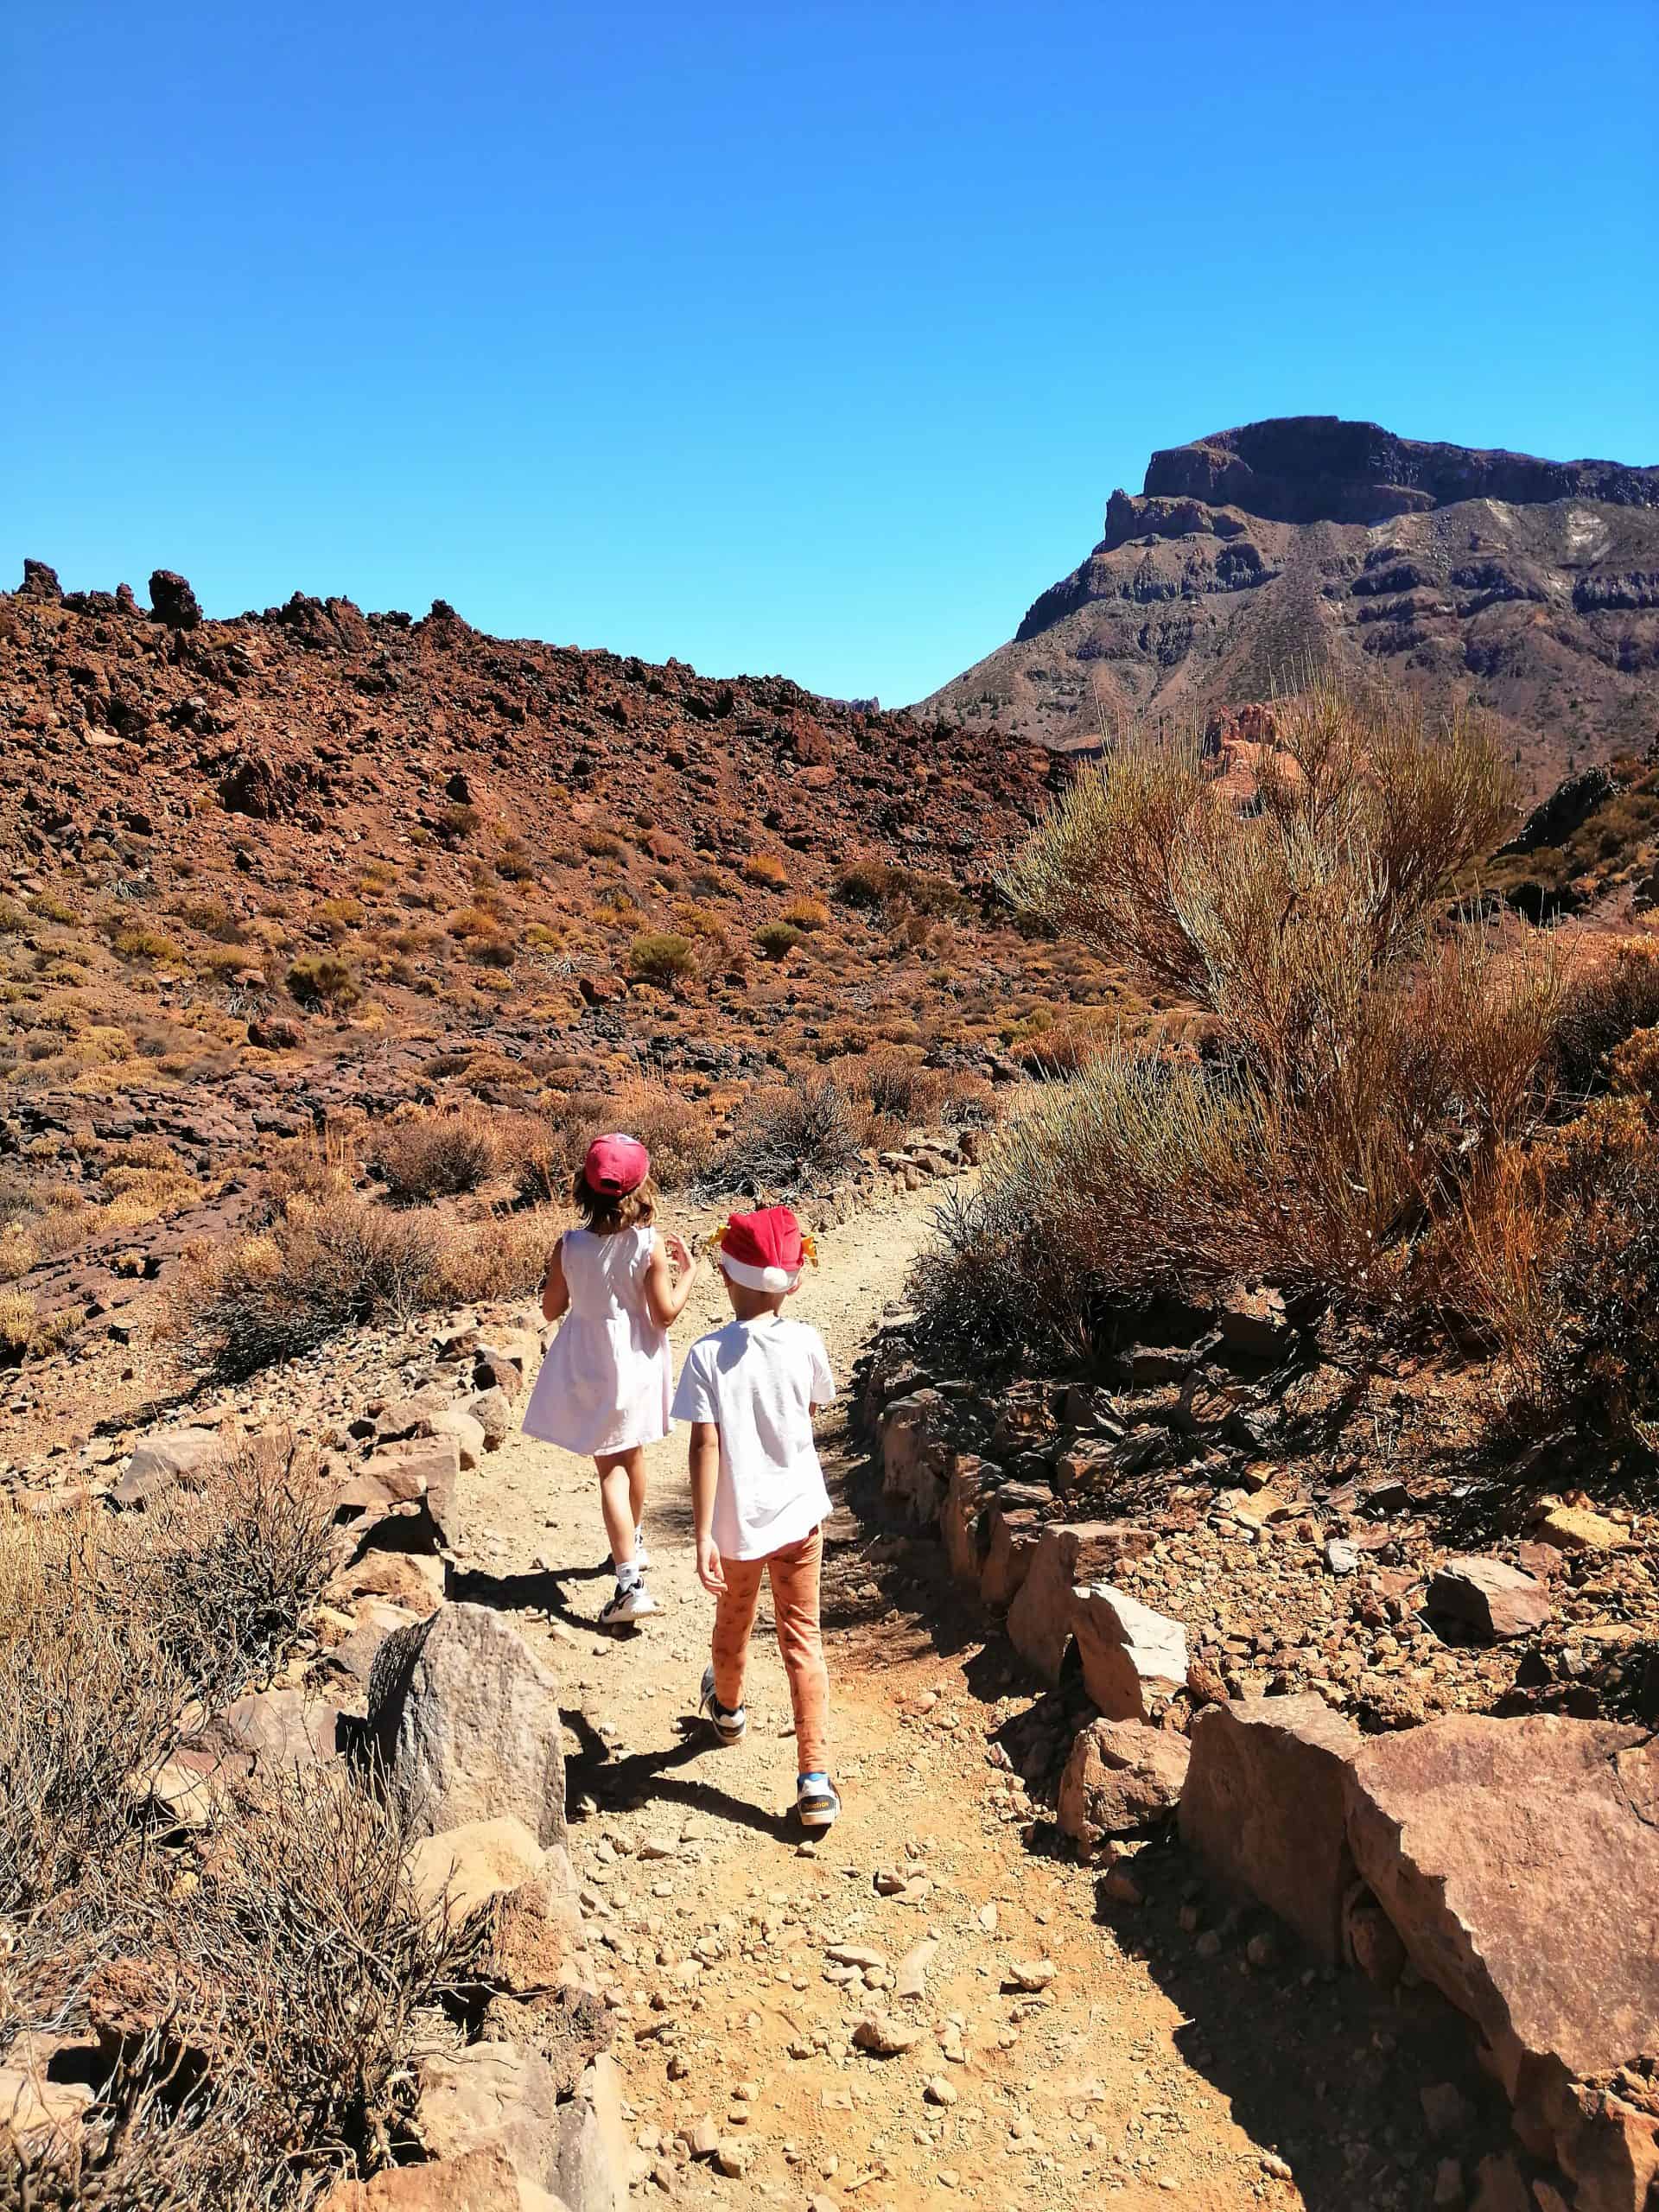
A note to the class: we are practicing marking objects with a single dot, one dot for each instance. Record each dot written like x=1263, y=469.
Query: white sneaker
x=624, y=1606
x=729, y=1723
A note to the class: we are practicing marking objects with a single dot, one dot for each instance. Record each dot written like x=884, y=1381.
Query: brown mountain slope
x=1528, y=588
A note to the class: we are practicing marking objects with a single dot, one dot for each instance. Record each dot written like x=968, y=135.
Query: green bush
x=319, y=979
x=777, y=940
x=658, y=956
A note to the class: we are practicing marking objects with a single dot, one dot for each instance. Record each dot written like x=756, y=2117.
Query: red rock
x=1264, y=1808
x=1490, y=1595
x=1133, y=1658
x=1519, y=1862
x=1039, y=1618
x=1120, y=1777
x=1012, y=1534
x=913, y=1454
x=963, y=1517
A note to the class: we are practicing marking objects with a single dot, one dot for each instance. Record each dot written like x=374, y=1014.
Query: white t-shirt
x=758, y=1381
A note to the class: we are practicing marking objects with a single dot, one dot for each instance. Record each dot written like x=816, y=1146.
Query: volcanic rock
x=1132, y=1657
x=1039, y=1617
x=1519, y=1860
x=172, y=601
x=1264, y=1806
x=1119, y=1778
x=468, y=1720
x=1489, y=1595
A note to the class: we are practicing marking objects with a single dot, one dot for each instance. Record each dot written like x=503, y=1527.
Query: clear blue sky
x=793, y=337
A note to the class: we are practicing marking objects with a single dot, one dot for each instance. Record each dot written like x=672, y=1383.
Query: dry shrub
x=1607, y=997
x=318, y=980
x=318, y=1164
x=436, y=1155
x=766, y=870
x=1275, y=917
x=790, y=1136
x=658, y=956
x=777, y=940
x=25, y=1331
x=224, y=1574
x=322, y=1267
x=900, y=1089
x=1364, y=1071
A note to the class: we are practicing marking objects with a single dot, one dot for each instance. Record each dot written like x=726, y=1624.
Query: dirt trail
x=713, y=1919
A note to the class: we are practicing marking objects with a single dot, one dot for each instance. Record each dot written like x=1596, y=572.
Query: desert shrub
x=276, y=1976
x=516, y=863
x=323, y=1266
x=765, y=870
x=436, y=1155
x=317, y=1163
x=224, y=1574
x=789, y=1137
x=52, y=907
x=211, y=916
x=807, y=914
x=14, y=918
x=777, y=940
x=318, y=979
x=1605, y=998
x=142, y=941
x=25, y=1331
x=1364, y=1071
x=905, y=1091
x=456, y=823
x=336, y=917
x=541, y=1152
x=658, y=957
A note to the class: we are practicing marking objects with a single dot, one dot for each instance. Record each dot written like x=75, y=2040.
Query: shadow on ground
x=626, y=1782
x=1323, y=2068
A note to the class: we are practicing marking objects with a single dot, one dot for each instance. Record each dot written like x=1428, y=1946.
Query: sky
x=799, y=337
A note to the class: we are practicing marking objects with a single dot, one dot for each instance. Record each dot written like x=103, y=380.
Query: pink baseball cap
x=615, y=1165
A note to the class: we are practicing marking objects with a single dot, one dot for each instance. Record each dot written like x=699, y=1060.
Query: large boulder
x=277, y=1729
x=1519, y=1862
x=1039, y=1618
x=172, y=601
x=1490, y=1595
x=1133, y=1659
x=1120, y=1777
x=466, y=1718
x=1265, y=1807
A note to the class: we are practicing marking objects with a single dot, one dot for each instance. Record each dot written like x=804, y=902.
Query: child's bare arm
x=705, y=1474
x=665, y=1295
x=555, y=1294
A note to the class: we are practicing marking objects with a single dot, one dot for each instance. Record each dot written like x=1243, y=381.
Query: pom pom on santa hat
x=766, y=1250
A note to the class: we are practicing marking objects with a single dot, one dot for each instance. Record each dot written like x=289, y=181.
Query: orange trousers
x=794, y=1573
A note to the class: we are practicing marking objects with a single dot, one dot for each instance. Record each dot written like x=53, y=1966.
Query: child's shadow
x=539, y=1590
x=636, y=1779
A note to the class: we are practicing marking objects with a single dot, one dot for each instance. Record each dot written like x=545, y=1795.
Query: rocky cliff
x=1529, y=588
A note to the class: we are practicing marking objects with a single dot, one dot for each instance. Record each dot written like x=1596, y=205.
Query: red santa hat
x=766, y=1250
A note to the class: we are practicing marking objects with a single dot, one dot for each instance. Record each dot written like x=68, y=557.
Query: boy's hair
x=608, y=1212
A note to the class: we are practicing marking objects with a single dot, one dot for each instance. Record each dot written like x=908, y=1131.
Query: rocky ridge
x=1525, y=586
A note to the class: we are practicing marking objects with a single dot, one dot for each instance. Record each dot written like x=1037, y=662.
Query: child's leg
x=637, y=1484
x=617, y=1474
x=795, y=1575
x=733, y=1618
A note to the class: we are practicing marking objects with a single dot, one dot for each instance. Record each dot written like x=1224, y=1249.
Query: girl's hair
x=606, y=1214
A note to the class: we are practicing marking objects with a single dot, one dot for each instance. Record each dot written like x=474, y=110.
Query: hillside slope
x=1529, y=588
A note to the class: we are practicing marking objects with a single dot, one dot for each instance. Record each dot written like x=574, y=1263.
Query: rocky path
x=1036, y=2042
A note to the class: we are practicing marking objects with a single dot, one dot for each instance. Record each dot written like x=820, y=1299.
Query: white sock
x=627, y=1574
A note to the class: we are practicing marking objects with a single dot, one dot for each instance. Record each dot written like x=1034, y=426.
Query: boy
x=759, y=1503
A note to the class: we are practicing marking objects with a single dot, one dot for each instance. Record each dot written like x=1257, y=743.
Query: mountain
x=1528, y=588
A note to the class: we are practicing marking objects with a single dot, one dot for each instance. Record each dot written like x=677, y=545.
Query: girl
x=606, y=1382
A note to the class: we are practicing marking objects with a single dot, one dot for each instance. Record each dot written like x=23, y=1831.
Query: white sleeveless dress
x=607, y=1381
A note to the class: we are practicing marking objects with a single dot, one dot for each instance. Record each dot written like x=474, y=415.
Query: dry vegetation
x=1398, y=1109
x=240, y=2001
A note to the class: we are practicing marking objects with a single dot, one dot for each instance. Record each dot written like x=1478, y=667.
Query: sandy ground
x=1146, y=2072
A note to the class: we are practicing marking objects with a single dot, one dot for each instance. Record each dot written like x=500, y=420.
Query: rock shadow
x=633, y=1781
x=1323, y=2069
